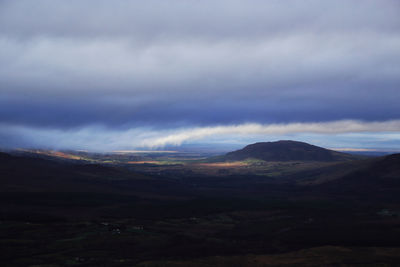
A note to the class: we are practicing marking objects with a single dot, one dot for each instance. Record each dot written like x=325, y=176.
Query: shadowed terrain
x=65, y=211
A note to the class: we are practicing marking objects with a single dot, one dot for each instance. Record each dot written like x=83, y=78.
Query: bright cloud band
x=335, y=127
x=100, y=138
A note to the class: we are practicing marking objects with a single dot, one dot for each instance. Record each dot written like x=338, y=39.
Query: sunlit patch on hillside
x=225, y=164
x=52, y=153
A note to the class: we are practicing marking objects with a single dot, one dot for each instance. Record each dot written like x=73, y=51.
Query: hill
x=381, y=176
x=285, y=151
x=36, y=174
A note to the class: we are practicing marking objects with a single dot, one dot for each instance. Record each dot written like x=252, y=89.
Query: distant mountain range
x=285, y=151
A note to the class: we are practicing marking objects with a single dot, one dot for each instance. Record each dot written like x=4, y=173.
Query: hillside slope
x=28, y=174
x=381, y=175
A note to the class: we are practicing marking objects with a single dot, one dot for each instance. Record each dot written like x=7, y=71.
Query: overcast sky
x=126, y=74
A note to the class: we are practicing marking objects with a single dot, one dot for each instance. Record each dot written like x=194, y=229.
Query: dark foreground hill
x=285, y=151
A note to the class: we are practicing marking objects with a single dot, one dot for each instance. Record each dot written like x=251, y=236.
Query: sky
x=111, y=75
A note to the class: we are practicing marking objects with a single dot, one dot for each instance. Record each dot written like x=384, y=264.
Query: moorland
x=269, y=204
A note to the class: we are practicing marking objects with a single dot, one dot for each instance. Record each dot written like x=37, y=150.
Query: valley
x=144, y=209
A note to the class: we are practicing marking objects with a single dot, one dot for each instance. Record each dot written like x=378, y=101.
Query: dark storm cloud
x=165, y=64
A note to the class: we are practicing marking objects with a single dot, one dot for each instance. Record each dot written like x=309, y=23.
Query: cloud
x=335, y=127
x=67, y=65
x=97, y=138
x=110, y=82
x=176, y=19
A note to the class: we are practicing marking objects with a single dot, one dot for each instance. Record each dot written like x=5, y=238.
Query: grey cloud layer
x=150, y=19
x=124, y=64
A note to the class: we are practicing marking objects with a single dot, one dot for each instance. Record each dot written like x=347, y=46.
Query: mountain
x=285, y=151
